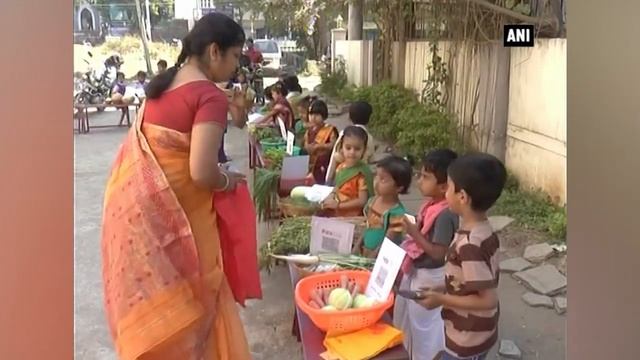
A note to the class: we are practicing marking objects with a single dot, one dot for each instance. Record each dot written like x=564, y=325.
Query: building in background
x=193, y=10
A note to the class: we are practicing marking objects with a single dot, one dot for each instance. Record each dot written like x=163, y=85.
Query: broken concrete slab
x=536, y=300
x=545, y=280
x=514, y=265
x=500, y=222
x=538, y=253
x=560, y=304
x=509, y=350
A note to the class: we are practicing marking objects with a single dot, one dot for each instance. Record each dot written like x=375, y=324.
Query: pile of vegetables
x=274, y=158
x=267, y=182
x=346, y=296
x=291, y=237
x=266, y=133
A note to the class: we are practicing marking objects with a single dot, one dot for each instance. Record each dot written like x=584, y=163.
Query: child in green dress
x=384, y=212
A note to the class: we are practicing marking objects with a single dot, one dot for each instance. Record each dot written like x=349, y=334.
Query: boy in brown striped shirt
x=470, y=305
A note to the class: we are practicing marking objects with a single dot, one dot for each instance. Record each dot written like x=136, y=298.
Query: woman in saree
x=166, y=294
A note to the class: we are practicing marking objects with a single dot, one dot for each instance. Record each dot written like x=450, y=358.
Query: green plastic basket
x=267, y=144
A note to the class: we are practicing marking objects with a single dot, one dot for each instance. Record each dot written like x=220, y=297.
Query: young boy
x=470, y=303
x=427, y=245
x=162, y=66
x=359, y=114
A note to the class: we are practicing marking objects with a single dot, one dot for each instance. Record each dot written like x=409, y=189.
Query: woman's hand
x=235, y=179
x=230, y=180
x=238, y=99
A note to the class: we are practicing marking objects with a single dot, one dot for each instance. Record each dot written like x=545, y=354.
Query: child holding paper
x=384, y=212
x=470, y=304
x=426, y=247
x=319, y=140
x=354, y=179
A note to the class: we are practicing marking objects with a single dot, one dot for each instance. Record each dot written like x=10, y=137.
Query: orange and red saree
x=166, y=295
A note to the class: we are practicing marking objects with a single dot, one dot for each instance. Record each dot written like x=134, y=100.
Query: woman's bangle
x=226, y=183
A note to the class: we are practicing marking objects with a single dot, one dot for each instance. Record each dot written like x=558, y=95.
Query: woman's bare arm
x=206, y=139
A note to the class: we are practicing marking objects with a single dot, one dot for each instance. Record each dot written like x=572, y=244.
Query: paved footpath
x=539, y=333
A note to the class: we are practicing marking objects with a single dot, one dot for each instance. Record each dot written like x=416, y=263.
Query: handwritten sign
x=331, y=236
x=385, y=270
x=291, y=138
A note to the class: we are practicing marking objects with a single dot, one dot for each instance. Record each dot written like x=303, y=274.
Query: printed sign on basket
x=385, y=271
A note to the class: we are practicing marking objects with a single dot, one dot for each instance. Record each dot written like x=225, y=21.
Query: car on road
x=270, y=52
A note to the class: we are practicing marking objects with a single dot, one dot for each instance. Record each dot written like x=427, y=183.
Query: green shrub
x=332, y=83
x=533, y=210
x=423, y=128
x=387, y=100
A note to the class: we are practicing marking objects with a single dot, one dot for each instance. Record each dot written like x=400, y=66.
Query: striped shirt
x=472, y=266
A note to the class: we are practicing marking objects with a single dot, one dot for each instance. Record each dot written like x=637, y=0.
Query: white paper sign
x=295, y=167
x=385, y=271
x=291, y=138
x=331, y=236
x=254, y=118
x=283, y=129
x=317, y=193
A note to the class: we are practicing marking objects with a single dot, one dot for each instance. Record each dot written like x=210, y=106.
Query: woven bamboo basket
x=289, y=208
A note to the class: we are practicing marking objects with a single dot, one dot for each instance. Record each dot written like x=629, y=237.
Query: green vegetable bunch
x=291, y=237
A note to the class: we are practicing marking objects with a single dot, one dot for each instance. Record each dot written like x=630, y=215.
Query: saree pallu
x=319, y=160
x=166, y=295
x=350, y=181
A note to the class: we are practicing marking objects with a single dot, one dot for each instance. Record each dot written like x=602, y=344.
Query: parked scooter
x=95, y=86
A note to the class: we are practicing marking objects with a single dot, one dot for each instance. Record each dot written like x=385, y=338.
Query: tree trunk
x=143, y=36
x=356, y=20
x=148, y=19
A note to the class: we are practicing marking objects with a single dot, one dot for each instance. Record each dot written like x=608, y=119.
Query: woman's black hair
x=356, y=132
x=400, y=170
x=280, y=88
x=319, y=107
x=119, y=74
x=212, y=28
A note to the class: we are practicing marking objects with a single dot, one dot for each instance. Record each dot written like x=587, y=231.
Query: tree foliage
x=305, y=20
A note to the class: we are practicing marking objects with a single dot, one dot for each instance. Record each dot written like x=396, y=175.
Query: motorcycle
x=95, y=87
